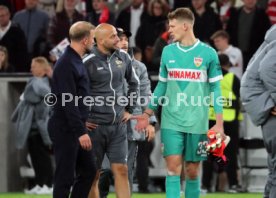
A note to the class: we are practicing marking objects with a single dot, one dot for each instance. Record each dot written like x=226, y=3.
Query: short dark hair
x=182, y=14
x=220, y=33
x=80, y=30
x=136, y=50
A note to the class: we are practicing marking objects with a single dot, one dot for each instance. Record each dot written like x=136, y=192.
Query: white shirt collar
x=5, y=30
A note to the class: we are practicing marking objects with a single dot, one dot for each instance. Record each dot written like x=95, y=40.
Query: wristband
x=147, y=113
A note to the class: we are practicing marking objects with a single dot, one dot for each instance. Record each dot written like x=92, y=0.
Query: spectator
x=230, y=86
x=157, y=13
x=59, y=25
x=131, y=18
x=48, y=6
x=271, y=11
x=13, y=38
x=5, y=66
x=247, y=26
x=221, y=41
x=160, y=43
x=117, y=6
x=31, y=118
x=100, y=13
x=224, y=8
x=205, y=19
x=34, y=23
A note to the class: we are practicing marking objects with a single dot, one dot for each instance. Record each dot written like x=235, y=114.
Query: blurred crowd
x=32, y=28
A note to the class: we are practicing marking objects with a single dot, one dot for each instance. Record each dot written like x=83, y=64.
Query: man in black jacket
x=72, y=144
x=13, y=38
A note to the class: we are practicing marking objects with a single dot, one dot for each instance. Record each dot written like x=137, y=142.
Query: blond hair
x=43, y=62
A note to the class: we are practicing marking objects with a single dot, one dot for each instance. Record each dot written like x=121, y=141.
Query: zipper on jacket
x=110, y=83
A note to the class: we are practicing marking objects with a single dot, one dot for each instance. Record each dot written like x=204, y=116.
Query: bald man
x=107, y=68
x=75, y=163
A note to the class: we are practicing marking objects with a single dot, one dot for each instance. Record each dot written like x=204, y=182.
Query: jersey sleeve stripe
x=162, y=79
x=217, y=78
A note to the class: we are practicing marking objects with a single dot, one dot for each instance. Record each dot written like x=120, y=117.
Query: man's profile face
x=176, y=30
x=111, y=40
x=90, y=41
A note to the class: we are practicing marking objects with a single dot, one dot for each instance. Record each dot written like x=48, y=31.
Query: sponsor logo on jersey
x=198, y=61
x=187, y=75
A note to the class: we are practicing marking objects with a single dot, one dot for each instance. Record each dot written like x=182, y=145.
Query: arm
x=145, y=91
x=267, y=72
x=215, y=75
x=133, y=86
x=71, y=111
x=143, y=120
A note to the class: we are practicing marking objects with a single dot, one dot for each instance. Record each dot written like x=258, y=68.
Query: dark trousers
x=75, y=167
x=41, y=160
x=269, y=135
x=142, y=165
x=231, y=129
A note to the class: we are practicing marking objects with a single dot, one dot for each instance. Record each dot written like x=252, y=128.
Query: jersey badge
x=198, y=61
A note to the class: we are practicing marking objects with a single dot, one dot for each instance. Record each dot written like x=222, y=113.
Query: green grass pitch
x=160, y=195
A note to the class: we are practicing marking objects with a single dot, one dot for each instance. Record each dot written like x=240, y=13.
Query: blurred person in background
x=247, y=26
x=60, y=24
x=34, y=23
x=132, y=17
x=48, y=6
x=160, y=43
x=271, y=11
x=31, y=118
x=116, y=6
x=13, y=38
x=230, y=86
x=5, y=66
x=221, y=41
x=100, y=13
x=206, y=20
x=151, y=28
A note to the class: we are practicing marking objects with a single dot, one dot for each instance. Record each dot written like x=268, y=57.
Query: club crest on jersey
x=198, y=61
x=119, y=63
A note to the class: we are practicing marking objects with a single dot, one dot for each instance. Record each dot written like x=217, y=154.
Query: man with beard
x=75, y=164
x=107, y=68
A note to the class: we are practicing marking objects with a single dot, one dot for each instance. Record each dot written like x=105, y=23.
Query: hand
x=273, y=111
x=150, y=132
x=142, y=122
x=85, y=142
x=126, y=117
x=219, y=129
x=90, y=126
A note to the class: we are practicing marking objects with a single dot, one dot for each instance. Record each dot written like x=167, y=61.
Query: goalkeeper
x=189, y=73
